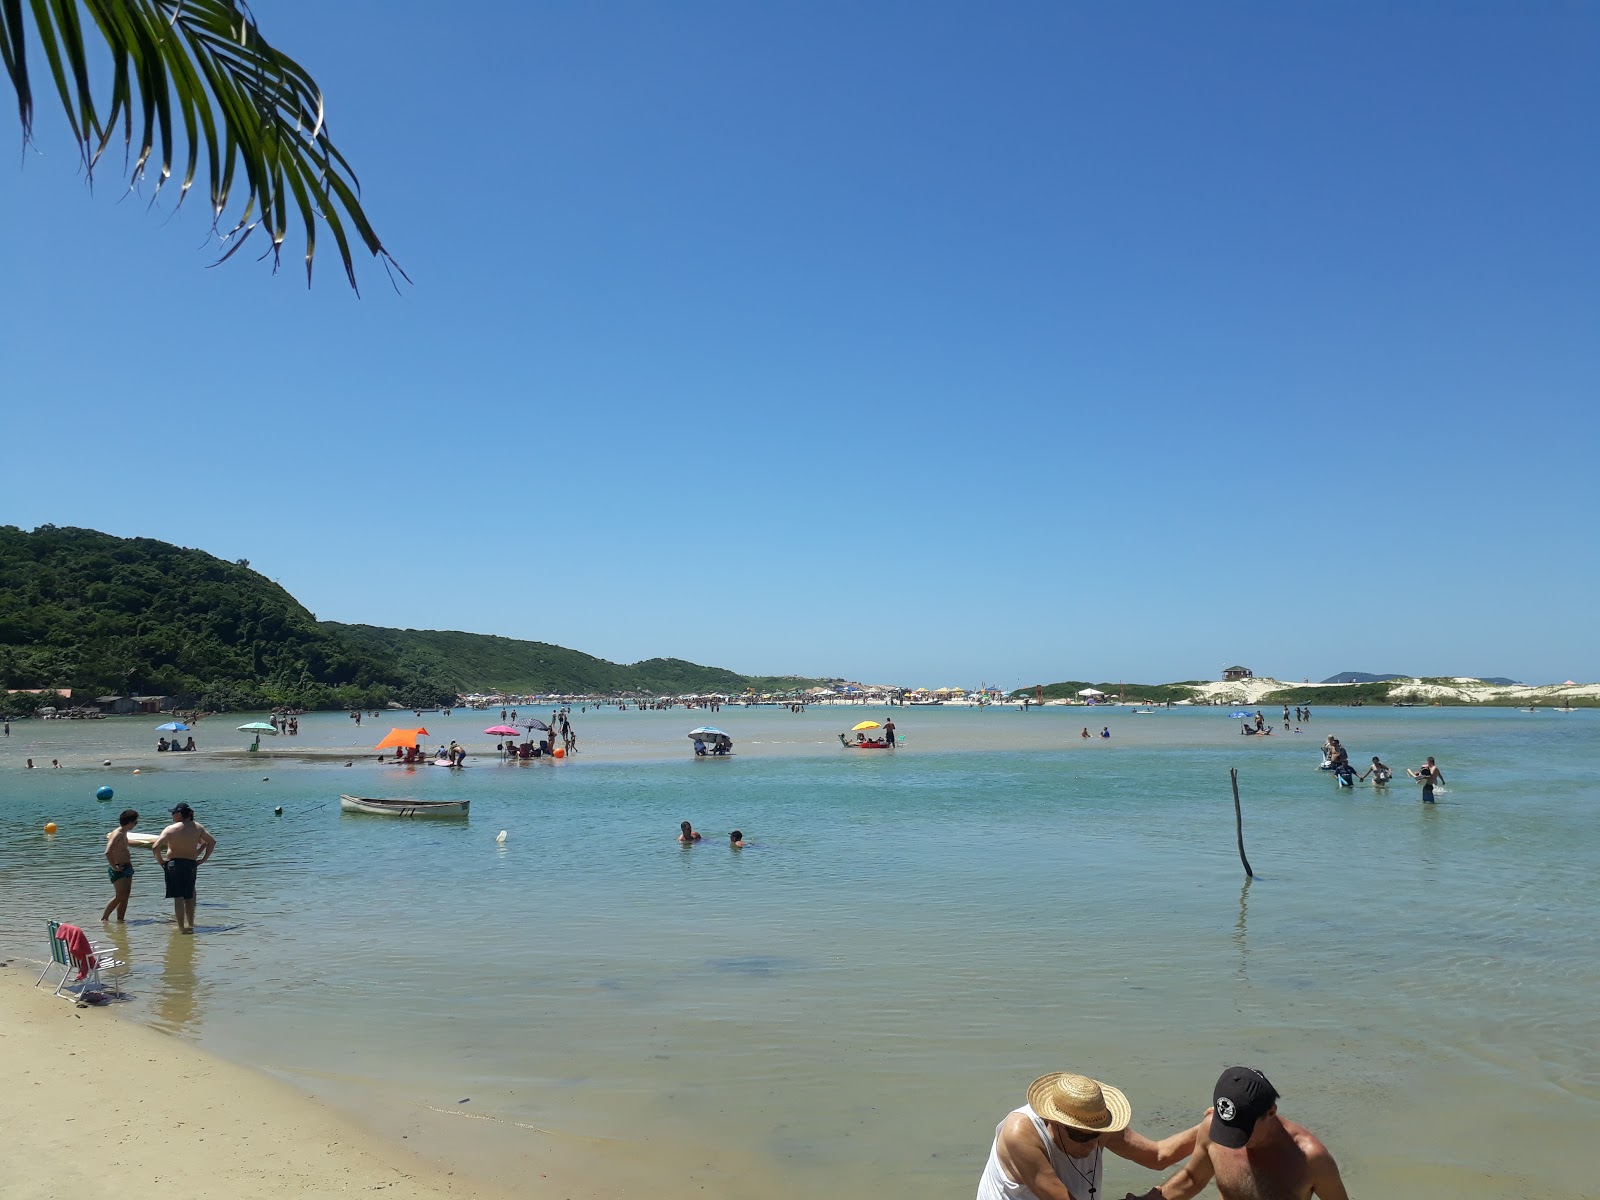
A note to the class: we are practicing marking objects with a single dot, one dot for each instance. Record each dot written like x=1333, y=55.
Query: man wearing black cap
x=187, y=844
x=1252, y=1152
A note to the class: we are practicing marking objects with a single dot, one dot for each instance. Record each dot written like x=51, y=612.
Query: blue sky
x=920, y=342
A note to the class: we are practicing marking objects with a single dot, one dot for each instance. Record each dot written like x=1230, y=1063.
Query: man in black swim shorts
x=187, y=844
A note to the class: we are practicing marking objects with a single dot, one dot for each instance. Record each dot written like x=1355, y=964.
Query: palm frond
x=193, y=75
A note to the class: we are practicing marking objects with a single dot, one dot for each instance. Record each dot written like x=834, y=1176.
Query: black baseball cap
x=1243, y=1096
x=183, y=810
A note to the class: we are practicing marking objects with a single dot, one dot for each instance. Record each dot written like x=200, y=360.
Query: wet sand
x=91, y=1102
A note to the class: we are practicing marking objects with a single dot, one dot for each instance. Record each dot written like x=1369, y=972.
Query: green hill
x=481, y=662
x=103, y=614
x=100, y=614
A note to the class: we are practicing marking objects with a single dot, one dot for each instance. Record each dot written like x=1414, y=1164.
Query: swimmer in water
x=688, y=836
x=736, y=840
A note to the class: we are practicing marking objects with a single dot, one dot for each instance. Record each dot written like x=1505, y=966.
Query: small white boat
x=403, y=808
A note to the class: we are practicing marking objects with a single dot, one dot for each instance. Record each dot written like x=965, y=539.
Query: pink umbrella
x=502, y=731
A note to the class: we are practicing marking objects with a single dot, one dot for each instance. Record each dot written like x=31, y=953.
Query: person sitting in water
x=189, y=745
x=1085, y=732
x=162, y=744
x=688, y=836
x=1380, y=773
x=699, y=748
x=1106, y=732
x=721, y=748
x=736, y=840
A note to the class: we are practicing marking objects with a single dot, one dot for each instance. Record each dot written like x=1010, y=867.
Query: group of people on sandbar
x=173, y=746
x=1054, y=1146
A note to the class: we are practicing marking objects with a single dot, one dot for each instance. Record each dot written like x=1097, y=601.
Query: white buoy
x=501, y=838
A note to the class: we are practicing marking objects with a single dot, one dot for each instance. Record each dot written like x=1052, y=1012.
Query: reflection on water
x=1239, y=932
x=928, y=924
x=179, y=992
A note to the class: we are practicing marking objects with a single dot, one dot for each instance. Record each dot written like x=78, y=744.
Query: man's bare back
x=185, y=839
x=1279, y=1170
x=1282, y=1161
x=117, y=852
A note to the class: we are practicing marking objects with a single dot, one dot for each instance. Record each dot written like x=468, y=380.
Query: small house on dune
x=1234, y=674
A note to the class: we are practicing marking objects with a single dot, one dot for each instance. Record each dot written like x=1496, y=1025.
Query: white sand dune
x=1461, y=689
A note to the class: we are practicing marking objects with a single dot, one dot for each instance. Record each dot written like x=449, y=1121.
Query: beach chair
x=103, y=962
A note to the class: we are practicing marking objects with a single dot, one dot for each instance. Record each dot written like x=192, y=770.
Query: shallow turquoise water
x=852, y=1002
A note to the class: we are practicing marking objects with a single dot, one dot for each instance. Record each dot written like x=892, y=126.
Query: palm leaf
x=189, y=76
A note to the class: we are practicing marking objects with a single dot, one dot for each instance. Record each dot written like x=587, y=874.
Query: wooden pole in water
x=1238, y=822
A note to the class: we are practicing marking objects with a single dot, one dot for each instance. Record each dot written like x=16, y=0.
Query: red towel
x=77, y=943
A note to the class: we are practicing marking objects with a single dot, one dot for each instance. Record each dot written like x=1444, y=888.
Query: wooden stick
x=1238, y=822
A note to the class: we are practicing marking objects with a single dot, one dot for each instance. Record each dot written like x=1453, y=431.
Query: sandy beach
x=90, y=1101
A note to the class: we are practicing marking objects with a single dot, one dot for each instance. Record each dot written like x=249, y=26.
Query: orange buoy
x=49, y=826
x=558, y=752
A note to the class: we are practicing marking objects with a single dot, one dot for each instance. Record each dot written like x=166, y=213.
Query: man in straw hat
x=1251, y=1151
x=1051, y=1148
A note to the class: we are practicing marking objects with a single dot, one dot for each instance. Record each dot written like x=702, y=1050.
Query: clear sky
x=923, y=342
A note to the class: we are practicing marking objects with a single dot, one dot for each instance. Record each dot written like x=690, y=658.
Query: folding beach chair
x=103, y=961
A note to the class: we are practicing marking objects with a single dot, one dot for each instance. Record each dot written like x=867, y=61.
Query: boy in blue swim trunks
x=119, y=865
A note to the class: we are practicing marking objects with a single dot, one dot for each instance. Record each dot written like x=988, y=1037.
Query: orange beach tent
x=401, y=737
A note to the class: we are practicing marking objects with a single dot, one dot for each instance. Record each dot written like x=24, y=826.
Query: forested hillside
x=485, y=662
x=100, y=614
x=103, y=614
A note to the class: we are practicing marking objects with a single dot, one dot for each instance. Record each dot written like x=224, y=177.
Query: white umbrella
x=1091, y=692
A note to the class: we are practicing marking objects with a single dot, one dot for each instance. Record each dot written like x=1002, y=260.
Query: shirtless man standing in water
x=187, y=844
x=1252, y=1152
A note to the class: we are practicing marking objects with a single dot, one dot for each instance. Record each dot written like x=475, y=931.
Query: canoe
x=403, y=808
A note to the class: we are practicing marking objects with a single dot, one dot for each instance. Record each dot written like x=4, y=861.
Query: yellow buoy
x=49, y=826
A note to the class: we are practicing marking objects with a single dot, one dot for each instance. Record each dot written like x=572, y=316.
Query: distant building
x=1234, y=674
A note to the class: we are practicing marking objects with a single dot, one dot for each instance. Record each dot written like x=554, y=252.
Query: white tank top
x=1081, y=1175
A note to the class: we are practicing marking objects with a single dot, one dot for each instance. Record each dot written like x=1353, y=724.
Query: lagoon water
x=849, y=1005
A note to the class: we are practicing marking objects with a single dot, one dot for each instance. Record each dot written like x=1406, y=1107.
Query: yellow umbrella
x=864, y=725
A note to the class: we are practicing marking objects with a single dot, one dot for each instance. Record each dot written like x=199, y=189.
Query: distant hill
x=1363, y=677
x=482, y=662
x=105, y=615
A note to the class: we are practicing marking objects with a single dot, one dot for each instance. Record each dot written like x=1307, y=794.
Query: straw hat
x=1080, y=1102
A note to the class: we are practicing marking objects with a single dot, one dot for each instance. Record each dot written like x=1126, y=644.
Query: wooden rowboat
x=403, y=808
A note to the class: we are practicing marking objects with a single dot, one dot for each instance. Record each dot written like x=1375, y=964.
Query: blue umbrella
x=173, y=727
x=1243, y=712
